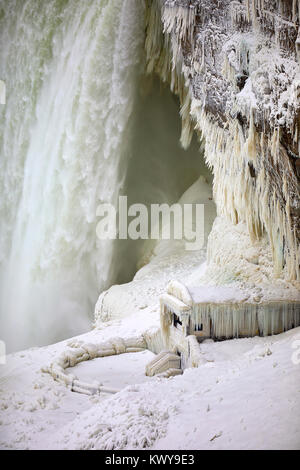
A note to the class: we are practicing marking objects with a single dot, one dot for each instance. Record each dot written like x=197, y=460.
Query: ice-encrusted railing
x=80, y=351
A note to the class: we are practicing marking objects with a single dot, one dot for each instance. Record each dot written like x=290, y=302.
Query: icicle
x=248, y=10
x=187, y=126
x=228, y=71
x=180, y=20
x=295, y=11
x=250, y=146
x=239, y=12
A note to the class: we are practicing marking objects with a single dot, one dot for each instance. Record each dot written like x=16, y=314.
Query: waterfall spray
x=70, y=70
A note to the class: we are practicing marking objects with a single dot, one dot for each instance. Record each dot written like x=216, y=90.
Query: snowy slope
x=246, y=395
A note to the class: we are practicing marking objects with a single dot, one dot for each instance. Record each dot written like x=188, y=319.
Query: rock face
x=235, y=66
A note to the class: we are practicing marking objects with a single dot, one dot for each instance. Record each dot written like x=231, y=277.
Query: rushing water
x=70, y=69
x=78, y=128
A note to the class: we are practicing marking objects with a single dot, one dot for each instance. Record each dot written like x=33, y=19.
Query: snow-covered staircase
x=165, y=364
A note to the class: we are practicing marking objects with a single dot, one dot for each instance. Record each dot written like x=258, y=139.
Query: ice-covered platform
x=220, y=313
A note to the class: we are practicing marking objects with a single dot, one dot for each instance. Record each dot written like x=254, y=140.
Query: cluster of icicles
x=238, y=320
x=238, y=195
x=231, y=320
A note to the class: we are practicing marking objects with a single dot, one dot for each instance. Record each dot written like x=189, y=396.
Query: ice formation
x=219, y=313
x=234, y=66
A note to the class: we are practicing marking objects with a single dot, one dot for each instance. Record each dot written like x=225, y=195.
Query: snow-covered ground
x=246, y=395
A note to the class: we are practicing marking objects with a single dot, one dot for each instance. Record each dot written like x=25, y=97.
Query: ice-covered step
x=171, y=373
x=164, y=362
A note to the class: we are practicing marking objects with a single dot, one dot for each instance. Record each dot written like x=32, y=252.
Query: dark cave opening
x=159, y=170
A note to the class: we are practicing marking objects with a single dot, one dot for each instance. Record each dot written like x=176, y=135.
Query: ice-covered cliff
x=235, y=66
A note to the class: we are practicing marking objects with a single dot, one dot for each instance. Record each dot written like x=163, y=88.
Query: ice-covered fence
x=79, y=351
